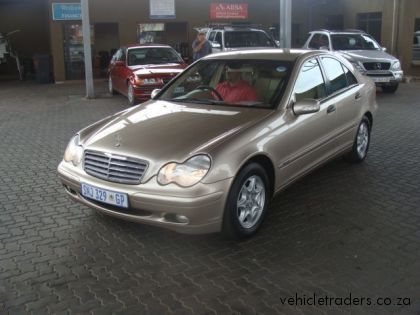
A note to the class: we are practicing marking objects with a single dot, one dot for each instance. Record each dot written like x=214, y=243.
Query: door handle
x=358, y=96
x=331, y=109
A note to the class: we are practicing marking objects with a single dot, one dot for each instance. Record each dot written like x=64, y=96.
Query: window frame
x=328, y=83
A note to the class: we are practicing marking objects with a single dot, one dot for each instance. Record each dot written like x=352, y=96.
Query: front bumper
x=202, y=204
x=388, y=77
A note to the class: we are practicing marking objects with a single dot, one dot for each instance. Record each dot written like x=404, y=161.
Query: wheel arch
x=268, y=166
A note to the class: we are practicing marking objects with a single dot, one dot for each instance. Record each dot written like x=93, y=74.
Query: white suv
x=363, y=52
x=226, y=38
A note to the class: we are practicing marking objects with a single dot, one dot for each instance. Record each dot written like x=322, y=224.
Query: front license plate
x=105, y=195
x=379, y=79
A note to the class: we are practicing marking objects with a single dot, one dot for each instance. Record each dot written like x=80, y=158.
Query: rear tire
x=390, y=88
x=361, y=142
x=247, y=203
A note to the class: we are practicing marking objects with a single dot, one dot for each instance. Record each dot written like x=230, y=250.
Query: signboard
x=162, y=9
x=231, y=11
x=66, y=11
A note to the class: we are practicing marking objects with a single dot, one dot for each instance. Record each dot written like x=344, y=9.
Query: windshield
x=353, y=42
x=152, y=55
x=238, y=39
x=253, y=83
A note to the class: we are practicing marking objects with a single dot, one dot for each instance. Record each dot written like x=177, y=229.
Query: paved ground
x=345, y=229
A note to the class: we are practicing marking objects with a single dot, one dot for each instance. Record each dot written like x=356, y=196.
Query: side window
x=219, y=38
x=318, y=41
x=310, y=83
x=335, y=74
x=212, y=35
x=351, y=79
x=120, y=54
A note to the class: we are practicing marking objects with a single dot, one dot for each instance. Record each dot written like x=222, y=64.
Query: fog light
x=181, y=218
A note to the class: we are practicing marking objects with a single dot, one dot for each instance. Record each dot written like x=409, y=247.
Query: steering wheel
x=208, y=87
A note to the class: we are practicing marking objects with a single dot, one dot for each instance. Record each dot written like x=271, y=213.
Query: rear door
x=346, y=93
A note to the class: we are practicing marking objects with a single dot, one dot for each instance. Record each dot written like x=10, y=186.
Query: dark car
x=135, y=71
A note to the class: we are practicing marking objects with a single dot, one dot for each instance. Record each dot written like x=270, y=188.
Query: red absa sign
x=228, y=11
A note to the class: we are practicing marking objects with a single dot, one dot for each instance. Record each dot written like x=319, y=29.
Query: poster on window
x=231, y=11
x=162, y=9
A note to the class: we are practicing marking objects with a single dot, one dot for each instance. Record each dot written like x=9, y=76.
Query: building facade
x=394, y=23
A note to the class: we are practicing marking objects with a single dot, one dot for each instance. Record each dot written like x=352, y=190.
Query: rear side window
x=318, y=41
x=351, y=79
x=335, y=75
x=310, y=83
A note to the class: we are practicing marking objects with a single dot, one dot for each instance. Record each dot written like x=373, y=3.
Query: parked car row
x=219, y=140
x=136, y=70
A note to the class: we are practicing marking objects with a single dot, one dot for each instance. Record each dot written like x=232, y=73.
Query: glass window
x=354, y=42
x=351, y=79
x=371, y=23
x=416, y=42
x=212, y=36
x=250, y=82
x=335, y=74
x=318, y=41
x=310, y=83
x=234, y=39
x=219, y=38
x=153, y=55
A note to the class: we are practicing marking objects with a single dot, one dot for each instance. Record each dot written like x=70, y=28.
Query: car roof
x=349, y=31
x=270, y=54
x=154, y=45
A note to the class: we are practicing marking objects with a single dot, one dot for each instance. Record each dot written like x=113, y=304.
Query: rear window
x=238, y=39
x=152, y=55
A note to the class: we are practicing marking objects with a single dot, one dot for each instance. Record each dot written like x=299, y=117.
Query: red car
x=136, y=70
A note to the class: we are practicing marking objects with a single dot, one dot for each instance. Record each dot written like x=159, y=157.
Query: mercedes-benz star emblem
x=117, y=140
x=378, y=66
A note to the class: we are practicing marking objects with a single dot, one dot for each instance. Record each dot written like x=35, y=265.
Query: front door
x=308, y=139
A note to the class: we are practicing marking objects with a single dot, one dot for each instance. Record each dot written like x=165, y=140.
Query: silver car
x=363, y=52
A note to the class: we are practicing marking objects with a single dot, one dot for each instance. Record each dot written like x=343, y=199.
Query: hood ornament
x=118, y=139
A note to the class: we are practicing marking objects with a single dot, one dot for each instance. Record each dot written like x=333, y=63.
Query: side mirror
x=119, y=63
x=216, y=45
x=383, y=48
x=306, y=106
x=154, y=93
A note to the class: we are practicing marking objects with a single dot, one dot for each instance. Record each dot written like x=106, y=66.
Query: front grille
x=114, y=168
x=377, y=65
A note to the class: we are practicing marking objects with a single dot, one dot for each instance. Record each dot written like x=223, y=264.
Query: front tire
x=130, y=94
x=111, y=86
x=247, y=203
x=390, y=88
x=361, y=142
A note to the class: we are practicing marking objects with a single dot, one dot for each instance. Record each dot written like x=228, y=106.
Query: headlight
x=74, y=151
x=185, y=174
x=396, y=66
x=149, y=81
x=358, y=66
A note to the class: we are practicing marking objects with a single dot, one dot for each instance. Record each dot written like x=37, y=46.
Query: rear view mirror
x=155, y=92
x=306, y=106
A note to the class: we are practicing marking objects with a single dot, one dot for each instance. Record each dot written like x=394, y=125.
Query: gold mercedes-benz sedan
x=211, y=148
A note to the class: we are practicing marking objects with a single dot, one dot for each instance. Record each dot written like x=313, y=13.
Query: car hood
x=160, y=131
x=368, y=55
x=161, y=69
